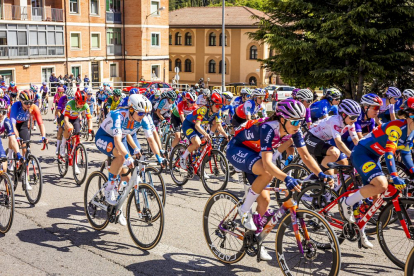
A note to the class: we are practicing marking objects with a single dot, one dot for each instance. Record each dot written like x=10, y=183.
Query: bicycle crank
x=250, y=244
x=350, y=232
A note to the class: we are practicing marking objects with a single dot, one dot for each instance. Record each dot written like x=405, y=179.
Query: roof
x=202, y=17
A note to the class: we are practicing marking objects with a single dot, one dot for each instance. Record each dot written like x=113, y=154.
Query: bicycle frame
x=207, y=150
x=71, y=149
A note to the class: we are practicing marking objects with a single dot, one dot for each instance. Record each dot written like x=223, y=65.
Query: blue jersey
x=6, y=98
x=230, y=108
x=117, y=123
x=154, y=100
x=237, y=101
x=322, y=108
x=204, y=115
x=124, y=102
x=101, y=96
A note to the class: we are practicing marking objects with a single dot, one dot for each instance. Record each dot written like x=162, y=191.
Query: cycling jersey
x=361, y=124
x=4, y=88
x=204, y=115
x=154, y=100
x=182, y=108
x=237, y=101
x=62, y=103
x=73, y=112
x=37, y=97
x=250, y=107
x=44, y=90
x=386, y=108
x=101, y=96
x=18, y=115
x=118, y=124
x=201, y=101
x=322, y=108
x=164, y=106
x=112, y=104
x=331, y=128
x=6, y=98
x=12, y=90
x=6, y=126
x=91, y=102
x=56, y=98
x=308, y=117
x=230, y=108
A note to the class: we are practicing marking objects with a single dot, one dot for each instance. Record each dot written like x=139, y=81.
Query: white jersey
x=164, y=106
x=250, y=108
x=384, y=107
x=332, y=127
x=201, y=101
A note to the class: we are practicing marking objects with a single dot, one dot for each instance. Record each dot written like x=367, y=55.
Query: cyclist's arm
x=392, y=112
x=200, y=129
x=132, y=142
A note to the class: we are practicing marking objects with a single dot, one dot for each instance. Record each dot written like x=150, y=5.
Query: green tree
x=353, y=45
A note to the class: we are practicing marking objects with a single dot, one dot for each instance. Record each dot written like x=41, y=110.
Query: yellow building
x=195, y=46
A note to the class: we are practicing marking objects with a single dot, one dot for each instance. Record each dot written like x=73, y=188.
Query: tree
x=353, y=45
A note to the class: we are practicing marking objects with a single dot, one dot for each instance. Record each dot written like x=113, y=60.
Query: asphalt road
x=55, y=238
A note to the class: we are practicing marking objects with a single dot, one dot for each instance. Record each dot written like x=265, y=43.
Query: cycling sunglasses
x=218, y=106
x=353, y=118
x=141, y=113
x=295, y=122
x=248, y=96
x=3, y=112
x=27, y=102
x=308, y=101
x=375, y=107
x=190, y=101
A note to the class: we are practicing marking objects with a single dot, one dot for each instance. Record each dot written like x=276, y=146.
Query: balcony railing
x=115, y=50
x=9, y=52
x=13, y=12
x=113, y=17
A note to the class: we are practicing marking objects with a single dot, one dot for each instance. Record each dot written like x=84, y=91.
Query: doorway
x=95, y=74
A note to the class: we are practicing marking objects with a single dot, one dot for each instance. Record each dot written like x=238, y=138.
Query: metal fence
x=7, y=52
x=235, y=89
x=14, y=12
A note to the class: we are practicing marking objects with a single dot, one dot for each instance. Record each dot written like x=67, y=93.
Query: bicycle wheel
x=34, y=178
x=63, y=163
x=6, y=203
x=221, y=208
x=94, y=201
x=214, y=172
x=178, y=175
x=391, y=236
x=168, y=143
x=409, y=265
x=294, y=170
x=155, y=180
x=45, y=109
x=145, y=229
x=322, y=255
x=80, y=158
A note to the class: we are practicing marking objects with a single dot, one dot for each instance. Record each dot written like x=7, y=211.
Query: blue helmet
x=133, y=91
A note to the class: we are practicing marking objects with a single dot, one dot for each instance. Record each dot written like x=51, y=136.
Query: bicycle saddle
x=333, y=165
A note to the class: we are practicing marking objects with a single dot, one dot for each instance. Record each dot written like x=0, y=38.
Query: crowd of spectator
x=70, y=80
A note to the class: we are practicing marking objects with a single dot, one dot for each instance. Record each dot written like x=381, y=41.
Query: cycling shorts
x=13, y=95
x=74, y=122
x=176, y=123
x=190, y=131
x=242, y=158
x=106, y=144
x=236, y=121
x=100, y=102
x=23, y=129
x=366, y=163
x=316, y=146
x=91, y=108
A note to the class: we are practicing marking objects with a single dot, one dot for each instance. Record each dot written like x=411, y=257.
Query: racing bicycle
x=6, y=201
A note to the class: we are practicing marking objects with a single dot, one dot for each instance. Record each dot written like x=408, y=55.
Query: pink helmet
x=290, y=109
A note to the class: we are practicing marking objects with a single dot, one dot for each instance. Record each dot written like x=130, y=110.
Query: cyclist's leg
x=3, y=155
x=176, y=122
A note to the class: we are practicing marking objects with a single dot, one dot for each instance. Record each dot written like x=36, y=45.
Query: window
x=74, y=6
x=169, y=65
x=253, y=52
x=17, y=38
x=155, y=5
x=95, y=7
x=75, y=41
x=178, y=63
x=178, y=39
x=3, y=37
x=170, y=39
x=212, y=39
x=212, y=66
x=76, y=71
x=155, y=71
x=155, y=39
x=95, y=41
x=188, y=39
x=225, y=67
x=7, y=75
x=46, y=73
x=187, y=65
x=113, y=36
x=113, y=5
x=113, y=70
x=221, y=38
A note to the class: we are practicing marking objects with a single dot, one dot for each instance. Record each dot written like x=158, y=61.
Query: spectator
x=142, y=78
x=174, y=82
x=78, y=80
x=53, y=80
x=60, y=78
x=70, y=80
x=1, y=78
x=86, y=80
x=201, y=83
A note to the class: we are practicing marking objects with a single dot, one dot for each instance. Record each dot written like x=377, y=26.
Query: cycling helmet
x=117, y=92
x=1, y=93
x=80, y=97
x=123, y=95
x=85, y=89
x=104, y=84
x=12, y=84
x=294, y=91
x=371, y=99
x=90, y=92
x=60, y=89
x=216, y=98
x=409, y=105
x=26, y=95
x=35, y=88
x=216, y=91
x=171, y=95
x=133, y=91
x=333, y=94
x=258, y=92
x=206, y=92
x=108, y=85
x=44, y=83
x=108, y=90
x=101, y=88
x=245, y=91
x=393, y=92
x=191, y=96
x=139, y=103
x=290, y=109
x=158, y=93
x=228, y=95
x=61, y=82
x=408, y=93
x=69, y=93
x=3, y=104
x=304, y=94
x=349, y=107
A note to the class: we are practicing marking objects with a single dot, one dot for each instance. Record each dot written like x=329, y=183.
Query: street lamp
x=158, y=10
x=223, y=45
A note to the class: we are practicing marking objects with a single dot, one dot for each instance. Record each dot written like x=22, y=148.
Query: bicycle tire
x=37, y=179
x=178, y=150
x=81, y=148
x=159, y=186
x=91, y=210
x=147, y=192
x=384, y=225
x=299, y=172
x=6, y=203
x=221, y=239
x=223, y=166
x=333, y=264
x=409, y=265
x=168, y=143
x=63, y=163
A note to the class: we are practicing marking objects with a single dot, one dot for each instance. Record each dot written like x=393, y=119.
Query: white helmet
x=61, y=82
x=1, y=92
x=258, y=92
x=217, y=91
x=139, y=103
x=393, y=92
x=350, y=107
x=101, y=88
x=228, y=95
x=408, y=93
x=123, y=96
x=304, y=94
x=206, y=92
x=157, y=93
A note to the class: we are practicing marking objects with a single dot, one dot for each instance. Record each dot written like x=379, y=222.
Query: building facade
x=195, y=46
x=108, y=40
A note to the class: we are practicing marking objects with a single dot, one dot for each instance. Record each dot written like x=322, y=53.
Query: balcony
x=113, y=17
x=114, y=49
x=13, y=12
x=12, y=52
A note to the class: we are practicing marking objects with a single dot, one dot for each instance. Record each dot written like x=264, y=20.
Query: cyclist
x=387, y=109
x=180, y=111
x=328, y=104
x=37, y=99
x=245, y=111
x=5, y=97
x=203, y=99
x=114, y=139
x=7, y=127
x=227, y=97
x=208, y=114
x=59, y=93
x=305, y=96
x=12, y=90
x=62, y=84
x=246, y=94
x=383, y=140
x=20, y=115
x=113, y=101
x=371, y=104
x=251, y=151
x=44, y=90
x=162, y=109
x=59, y=110
x=90, y=100
x=155, y=97
x=3, y=85
x=333, y=127
x=101, y=97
